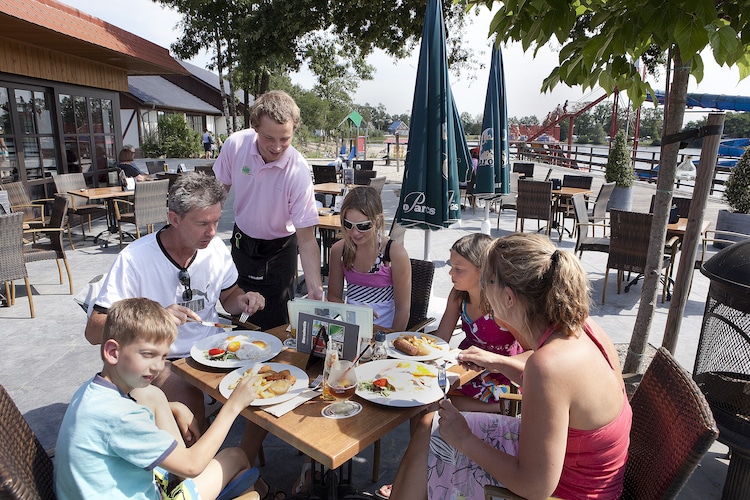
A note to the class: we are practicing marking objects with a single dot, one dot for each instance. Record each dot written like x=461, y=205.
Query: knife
x=211, y=323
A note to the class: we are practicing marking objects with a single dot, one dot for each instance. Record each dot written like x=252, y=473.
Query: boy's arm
x=189, y=462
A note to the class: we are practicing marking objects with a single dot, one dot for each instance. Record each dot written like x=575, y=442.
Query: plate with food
x=415, y=346
x=400, y=383
x=276, y=382
x=234, y=350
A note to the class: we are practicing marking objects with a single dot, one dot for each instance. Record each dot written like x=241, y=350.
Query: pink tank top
x=594, y=465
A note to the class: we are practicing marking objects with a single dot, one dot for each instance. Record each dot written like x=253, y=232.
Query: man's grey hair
x=195, y=190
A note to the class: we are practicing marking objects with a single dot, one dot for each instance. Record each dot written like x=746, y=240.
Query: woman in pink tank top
x=573, y=437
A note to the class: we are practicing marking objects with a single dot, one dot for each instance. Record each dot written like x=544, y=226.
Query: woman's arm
x=450, y=318
x=336, y=273
x=401, y=275
x=475, y=358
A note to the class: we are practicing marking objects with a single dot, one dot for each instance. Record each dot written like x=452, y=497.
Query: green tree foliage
x=619, y=167
x=175, y=139
x=737, y=186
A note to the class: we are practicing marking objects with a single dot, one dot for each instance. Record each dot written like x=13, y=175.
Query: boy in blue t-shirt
x=111, y=442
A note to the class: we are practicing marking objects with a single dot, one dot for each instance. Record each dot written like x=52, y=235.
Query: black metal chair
x=673, y=428
x=362, y=177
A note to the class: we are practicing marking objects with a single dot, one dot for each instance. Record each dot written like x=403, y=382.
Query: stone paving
x=45, y=359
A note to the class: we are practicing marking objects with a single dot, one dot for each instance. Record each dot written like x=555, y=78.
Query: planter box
x=621, y=199
x=731, y=221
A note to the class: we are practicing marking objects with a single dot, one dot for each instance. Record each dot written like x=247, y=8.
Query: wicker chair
x=12, y=265
x=598, y=214
x=25, y=468
x=155, y=166
x=565, y=203
x=378, y=183
x=422, y=272
x=205, y=169
x=147, y=208
x=64, y=183
x=583, y=240
x=324, y=173
x=53, y=247
x=20, y=201
x=362, y=177
x=508, y=200
x=628, y=249
x=683, y=205
x=673, y=428
x=534, y=202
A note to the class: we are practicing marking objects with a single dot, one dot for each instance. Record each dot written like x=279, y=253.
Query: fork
x=244, y=316
x=443, y=381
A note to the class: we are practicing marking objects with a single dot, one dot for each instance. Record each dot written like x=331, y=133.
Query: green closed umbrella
x=430, y=193
x=493, y=170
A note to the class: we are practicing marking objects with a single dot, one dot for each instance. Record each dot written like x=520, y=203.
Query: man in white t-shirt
x=274, y=207
x=187, y=269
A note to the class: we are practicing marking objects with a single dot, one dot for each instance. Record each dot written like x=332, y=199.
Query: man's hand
x=186, y=422
x=252, y=302
x=182, y=313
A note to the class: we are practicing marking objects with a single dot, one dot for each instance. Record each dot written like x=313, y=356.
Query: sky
x=393, y=85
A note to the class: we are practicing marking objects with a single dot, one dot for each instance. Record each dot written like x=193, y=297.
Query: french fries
x=423, y=344
x=270, y=383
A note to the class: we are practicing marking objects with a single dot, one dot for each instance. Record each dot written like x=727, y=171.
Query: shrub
x=619, y=168
x=737, y=186
x=174, y=139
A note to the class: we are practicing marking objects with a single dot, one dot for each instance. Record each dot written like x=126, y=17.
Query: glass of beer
x=342, y=383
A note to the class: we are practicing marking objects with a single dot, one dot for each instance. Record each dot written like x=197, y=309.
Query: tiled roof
x=212, y=79
x=56, y=26
x=156, y=91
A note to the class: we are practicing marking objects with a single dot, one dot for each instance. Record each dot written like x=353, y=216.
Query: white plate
x=438, y=352
x=198, y=352
x=410, y=390
x=297, y=388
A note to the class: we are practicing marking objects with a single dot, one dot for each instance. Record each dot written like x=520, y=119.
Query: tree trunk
x=664, y=186
x=220, y=69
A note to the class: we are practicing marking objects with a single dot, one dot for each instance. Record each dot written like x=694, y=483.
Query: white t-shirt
x=270, y=199
x=143, y=269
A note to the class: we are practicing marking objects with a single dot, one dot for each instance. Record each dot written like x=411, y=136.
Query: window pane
x=72, y=155
x=49, y=159
x=108, y=116
x=42, y=113
x=68, y=116
x=6, y=126
x=105, y=157
x=82, y=121
x=25, y=107
x=32, y=158
x=96, y=115
x=8, y=161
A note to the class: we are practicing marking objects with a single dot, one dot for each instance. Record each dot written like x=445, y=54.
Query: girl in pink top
x=572, y=441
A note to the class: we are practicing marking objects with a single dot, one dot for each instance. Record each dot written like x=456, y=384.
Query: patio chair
x=598, y=213
x=683, y=205
x=148, y=207
x=565, y=203
x=77, y=205
x=583, y=240
x=155, y=166
x=362, y=177
x=673, y=428
x=51, y=248
x=324, y=173
x=525, y=169
x=534, y=202
x=12, y=265
x=628, y=249
x=20, y=201
x=205, y=169
x=422, y=273
x=508, y=200
x=378, y=183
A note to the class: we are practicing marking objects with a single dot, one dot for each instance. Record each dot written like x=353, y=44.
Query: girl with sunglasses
x=377, y=270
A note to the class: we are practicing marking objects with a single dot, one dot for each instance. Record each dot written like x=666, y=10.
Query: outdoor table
x=679, y=228
x=330, y=442
x=333, y=188
x=107, y=194
x=565, y=193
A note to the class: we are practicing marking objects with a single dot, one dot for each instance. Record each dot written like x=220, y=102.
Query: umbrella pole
x=427, y=237
x=486, y=222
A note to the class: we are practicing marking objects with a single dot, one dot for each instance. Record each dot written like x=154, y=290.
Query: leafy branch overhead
x=601, y=39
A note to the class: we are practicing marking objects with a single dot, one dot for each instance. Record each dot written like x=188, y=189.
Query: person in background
x=208, y=140
x=118, y=438
x=274, y=207
x=126, y=163
x=377, y=270
x=572, y=441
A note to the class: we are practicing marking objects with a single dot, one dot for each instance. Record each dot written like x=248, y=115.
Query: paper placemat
x=280, y=409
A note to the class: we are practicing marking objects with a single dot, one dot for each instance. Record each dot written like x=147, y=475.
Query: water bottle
x=378, y=350
x=332, y=355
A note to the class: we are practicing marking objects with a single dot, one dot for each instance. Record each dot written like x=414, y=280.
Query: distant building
x=398, y=127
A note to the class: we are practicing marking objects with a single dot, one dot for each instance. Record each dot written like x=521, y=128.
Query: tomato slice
x=215, y=352
x=381, y=382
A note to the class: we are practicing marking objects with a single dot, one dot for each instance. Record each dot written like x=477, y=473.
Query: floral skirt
x=453, y=476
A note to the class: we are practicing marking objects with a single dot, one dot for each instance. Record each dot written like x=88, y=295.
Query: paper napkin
x=280, y=409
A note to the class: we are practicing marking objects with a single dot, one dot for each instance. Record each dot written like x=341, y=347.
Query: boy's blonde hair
x=129, y=320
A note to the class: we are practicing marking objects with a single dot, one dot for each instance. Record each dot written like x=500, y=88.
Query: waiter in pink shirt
x=274, y=207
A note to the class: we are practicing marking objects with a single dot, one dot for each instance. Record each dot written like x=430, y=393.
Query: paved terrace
x=44, y=360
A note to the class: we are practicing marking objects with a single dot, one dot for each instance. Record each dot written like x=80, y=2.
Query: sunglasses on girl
x=361, y=226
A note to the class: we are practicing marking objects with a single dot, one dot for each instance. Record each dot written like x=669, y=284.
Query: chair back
x=12, y=266
x=582, y=217
x=324, y=173
x=549, y=174
x=577, y=181
x=150, y=202
x=155, y=166
x=602, y=200
x=526, y=169
x=26, y=471
x=71, y=182
x=683, y=205
x=673, y=428
x=205, y=169
x=378, y=183
x=363, y=164
x=534, y=200
x=362, y=177
x=20, y=201
x=422, y=273
x=57, y=221
x=629, y=240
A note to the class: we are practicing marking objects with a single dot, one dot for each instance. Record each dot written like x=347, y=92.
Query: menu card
x=313, y=332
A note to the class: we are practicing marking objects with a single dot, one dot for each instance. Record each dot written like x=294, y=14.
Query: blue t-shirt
x=108, y=446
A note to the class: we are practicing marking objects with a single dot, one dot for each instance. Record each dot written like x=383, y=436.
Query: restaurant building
x=61, y=75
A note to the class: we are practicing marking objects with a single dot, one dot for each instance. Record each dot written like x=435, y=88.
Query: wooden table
x=108, y=194
x=679, y=228
x=333, y=188
x=328, y=226
x=330, y=442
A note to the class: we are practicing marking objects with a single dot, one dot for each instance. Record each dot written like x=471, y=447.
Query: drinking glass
x=342, y=383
